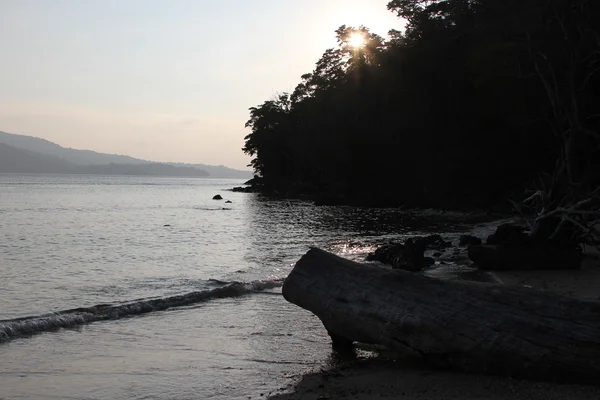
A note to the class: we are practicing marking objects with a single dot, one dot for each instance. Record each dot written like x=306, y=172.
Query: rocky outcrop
x=469, y=240
x=512, y=247
x=409, y=256
x=508, y=234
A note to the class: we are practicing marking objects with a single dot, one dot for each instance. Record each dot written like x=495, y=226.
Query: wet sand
x=383, y=378
x=379, y=379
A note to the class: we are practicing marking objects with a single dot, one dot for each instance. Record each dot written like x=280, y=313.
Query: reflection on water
x=282, y=230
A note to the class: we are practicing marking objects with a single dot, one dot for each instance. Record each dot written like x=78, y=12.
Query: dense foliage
x=473, y=101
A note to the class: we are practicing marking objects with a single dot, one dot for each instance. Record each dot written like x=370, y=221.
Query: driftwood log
x=474, y=327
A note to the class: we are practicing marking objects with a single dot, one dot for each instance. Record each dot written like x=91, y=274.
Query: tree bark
x=470, y=326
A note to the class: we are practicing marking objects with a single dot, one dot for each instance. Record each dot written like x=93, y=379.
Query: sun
x=356, y=40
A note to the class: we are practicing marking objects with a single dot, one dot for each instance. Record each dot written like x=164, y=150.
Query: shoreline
x=386, y=377
x=318, y=198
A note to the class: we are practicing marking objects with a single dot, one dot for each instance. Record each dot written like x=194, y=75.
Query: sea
x=147, y=288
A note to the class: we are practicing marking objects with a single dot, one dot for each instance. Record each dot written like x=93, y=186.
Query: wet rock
x=556, y=232
x=436, y=242
x=432, y=242
x=511, y=247
x=508, y=234
x=217, y=197
x=408, y=256
x=469, y=240
x=228, y=201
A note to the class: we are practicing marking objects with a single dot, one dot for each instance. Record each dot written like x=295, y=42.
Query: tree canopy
x=473, y=101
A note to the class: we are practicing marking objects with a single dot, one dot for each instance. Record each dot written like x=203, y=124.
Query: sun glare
x=357, y=40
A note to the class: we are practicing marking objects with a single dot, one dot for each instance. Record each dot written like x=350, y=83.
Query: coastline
x=383, y=377
x=386, y=379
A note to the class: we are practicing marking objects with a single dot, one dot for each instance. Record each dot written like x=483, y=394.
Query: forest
x=475, y=103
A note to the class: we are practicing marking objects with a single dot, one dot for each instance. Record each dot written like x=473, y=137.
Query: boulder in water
x=217, y=197
x=469, y=240
x=434, y=242
x=508, y=234
x=408, y=256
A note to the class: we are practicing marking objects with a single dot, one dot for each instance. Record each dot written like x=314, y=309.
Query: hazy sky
x=165, y=80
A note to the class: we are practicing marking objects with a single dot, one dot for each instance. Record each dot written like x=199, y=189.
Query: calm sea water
x=146, y=288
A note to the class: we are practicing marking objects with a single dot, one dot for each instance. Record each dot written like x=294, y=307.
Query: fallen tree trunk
x=470, y=326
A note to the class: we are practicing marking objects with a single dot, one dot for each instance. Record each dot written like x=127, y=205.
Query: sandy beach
x=383, y=377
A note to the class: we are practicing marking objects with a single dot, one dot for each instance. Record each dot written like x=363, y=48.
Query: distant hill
x=14, y=160
x=92, y=158
x=23, y=161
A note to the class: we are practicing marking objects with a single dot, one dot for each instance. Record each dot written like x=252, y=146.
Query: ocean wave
x=26, y=326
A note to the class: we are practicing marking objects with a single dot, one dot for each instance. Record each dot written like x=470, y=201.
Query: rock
x=466, y=240
x=228, y=201
x=433, y=242
x=508, y=234
x=506, y=257
x=436, y=242
x=167, y=225
x=555, y=232
x=512, y=248
x=437, y=254
x=408, y=256
x=217, y=197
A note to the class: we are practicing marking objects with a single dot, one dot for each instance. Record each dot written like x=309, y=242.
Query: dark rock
x=508, y=234
x=167, y=225
x=228, y=201
x=555, y=232
x=433, y=242
x=506, y=257
x=408, y=256
x=437, y=254
x=466, y=240
x=217, y=197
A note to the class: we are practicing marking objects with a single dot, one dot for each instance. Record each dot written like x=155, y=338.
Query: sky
x=163, y=80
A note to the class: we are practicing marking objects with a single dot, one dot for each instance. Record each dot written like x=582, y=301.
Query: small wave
x=10, y=329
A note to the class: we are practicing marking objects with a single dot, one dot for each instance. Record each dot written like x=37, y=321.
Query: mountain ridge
x=91, y=158
x=15, y=160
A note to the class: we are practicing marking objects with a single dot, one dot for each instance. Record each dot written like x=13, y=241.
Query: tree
x=457, y=110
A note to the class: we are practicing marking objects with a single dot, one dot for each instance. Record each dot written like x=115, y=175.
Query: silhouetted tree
x=471, y=103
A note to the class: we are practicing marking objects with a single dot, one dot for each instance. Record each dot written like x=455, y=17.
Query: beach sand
x=381, y=378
